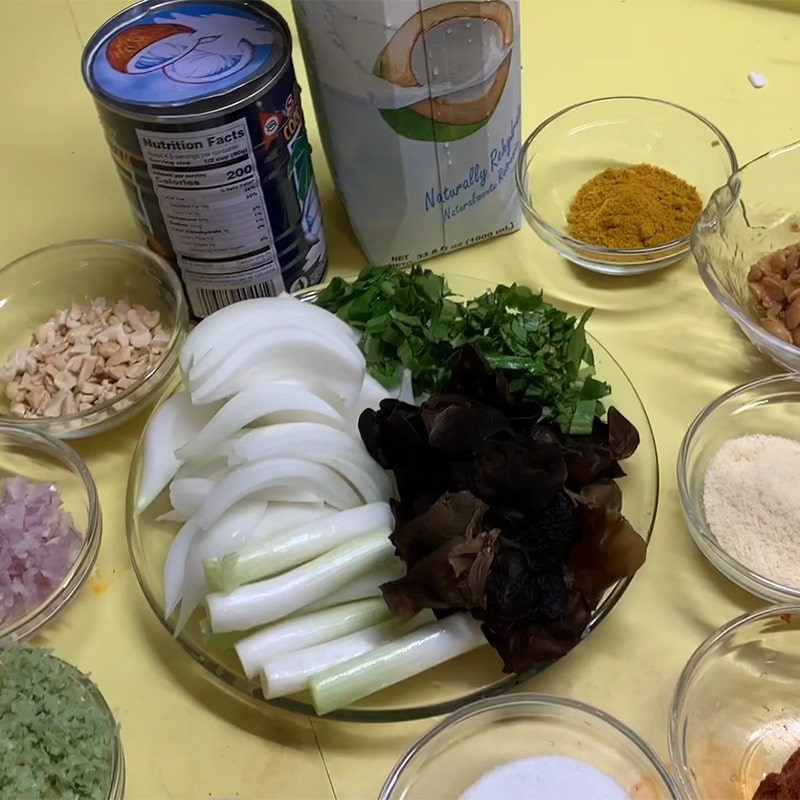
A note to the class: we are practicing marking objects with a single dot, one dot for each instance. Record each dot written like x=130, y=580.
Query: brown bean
x=792, y=318
x=777, y=329
x=756, y=272
x=773, y=289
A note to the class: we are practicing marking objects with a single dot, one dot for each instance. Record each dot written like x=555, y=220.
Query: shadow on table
x=621, y=295
x=743, y=602
x=288, y=730
x=787, y=6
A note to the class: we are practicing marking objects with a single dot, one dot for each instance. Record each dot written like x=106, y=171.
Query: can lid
x=168, y=56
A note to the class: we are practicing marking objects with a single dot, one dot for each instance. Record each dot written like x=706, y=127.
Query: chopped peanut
x=82, y=357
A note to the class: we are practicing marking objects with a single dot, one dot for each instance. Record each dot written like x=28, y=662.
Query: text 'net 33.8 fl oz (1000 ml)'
x=201, y=110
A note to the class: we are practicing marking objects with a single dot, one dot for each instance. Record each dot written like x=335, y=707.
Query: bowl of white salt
x=739, y=483
x=530, y=745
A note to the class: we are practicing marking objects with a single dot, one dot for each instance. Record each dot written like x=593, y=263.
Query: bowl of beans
x=738, y=473
x=90, y=337
x=747, y=247
x=615, y=184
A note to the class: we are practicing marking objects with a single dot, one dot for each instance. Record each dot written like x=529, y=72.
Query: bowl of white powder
x=739, y=482
x=529, y=745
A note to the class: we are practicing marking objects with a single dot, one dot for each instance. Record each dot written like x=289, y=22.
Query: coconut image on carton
x=418, y=104
x=465, y=89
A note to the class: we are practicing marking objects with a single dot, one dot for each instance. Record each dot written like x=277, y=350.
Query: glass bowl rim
x=169, y=357
x=700, y=532
x=680, y=694
x=116, y=788
x=706, y=223
x=520, y=700
x=667, y=249
x=80, y=569
x=230, y=683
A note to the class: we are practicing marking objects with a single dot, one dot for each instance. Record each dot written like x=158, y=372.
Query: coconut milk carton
x=418, y=104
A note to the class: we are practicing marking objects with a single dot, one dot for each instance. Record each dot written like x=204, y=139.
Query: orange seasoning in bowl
x=633, y=208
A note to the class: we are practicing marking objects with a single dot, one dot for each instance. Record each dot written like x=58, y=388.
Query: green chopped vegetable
x=56, y=741
x=406, y=319
x=542, y=351
x=409, y=319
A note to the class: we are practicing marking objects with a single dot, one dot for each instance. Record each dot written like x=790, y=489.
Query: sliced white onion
x=316, y=442
x=263, y=401
x=188, y=494
x=220, y=333
x=287, y=354
x=175, y=565
x=174, y=422
x=248, y=479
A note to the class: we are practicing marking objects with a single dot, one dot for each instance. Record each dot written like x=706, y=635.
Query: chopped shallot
x=38, y=545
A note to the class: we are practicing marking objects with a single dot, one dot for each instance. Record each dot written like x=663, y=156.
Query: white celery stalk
x=305, y=630
x=364, y=586
x=274, y=598
x=394, y=662
x=296, y=546
x=290, y=673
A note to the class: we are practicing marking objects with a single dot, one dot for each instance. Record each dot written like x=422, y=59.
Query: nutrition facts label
x=210, y=196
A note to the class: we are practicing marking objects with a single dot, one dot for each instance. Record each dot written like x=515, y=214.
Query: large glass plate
x=440, y=690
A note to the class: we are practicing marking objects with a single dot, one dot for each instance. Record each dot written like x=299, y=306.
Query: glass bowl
x=452, y=756
x=754, y=213
x=116, y=787
x=40, y=458
x=440, y=690
x=735, y=715
x=116, y=790
x=768, y=406
x=581, y=141
x=37, y=285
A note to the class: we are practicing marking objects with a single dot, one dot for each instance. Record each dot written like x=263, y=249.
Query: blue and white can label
x=229, y=196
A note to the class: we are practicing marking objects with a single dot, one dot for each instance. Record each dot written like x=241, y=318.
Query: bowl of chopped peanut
x=90, y=336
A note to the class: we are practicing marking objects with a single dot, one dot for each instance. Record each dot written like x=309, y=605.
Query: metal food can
x=201, y=111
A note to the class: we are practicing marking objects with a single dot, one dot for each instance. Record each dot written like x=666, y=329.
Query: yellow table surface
x=185, y=738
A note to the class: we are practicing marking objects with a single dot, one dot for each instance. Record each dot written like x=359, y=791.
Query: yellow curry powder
x=631, y=208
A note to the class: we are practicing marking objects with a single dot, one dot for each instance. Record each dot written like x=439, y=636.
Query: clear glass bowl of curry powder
x=615, y=184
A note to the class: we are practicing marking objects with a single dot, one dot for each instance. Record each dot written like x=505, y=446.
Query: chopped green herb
x=55, y=739
x=409, y=319
x=542, y=351
x=406, y=319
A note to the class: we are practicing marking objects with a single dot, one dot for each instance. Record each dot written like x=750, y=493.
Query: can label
x=213, y=207
x=223, y=188
x=184, y=53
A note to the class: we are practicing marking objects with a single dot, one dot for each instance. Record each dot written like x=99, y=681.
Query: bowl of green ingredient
x=615, y=184
x=59, y=738
x=50, y=529
x=414, y=335
x=738, y=472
